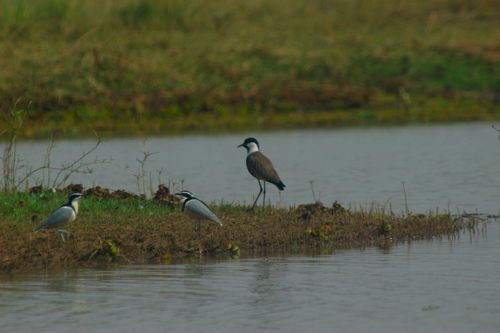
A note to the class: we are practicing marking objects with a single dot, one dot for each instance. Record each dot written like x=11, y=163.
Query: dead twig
x=406, y=199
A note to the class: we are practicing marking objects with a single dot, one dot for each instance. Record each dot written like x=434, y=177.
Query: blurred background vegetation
x=166, y=64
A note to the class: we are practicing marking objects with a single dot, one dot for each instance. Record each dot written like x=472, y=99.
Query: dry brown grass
x=97, y=63
x=160, y=239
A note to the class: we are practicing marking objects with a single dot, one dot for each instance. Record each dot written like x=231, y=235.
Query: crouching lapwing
x=64, y=214
x=197, y=208
x=261, y=168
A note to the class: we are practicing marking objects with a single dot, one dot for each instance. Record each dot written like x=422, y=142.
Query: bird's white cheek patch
x=252, y=148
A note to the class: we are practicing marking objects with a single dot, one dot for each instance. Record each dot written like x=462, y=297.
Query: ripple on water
x=447, y=285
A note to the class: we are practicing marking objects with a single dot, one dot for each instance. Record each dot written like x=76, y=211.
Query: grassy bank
x=172, y=65
x=116, y=228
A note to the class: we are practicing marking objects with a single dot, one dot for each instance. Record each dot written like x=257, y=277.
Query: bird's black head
x=185, y=194
x=74, y=197
x=248, y=142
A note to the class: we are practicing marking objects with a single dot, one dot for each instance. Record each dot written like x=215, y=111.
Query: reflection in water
x=446, y=167
x=268, y=301
x=443, y=285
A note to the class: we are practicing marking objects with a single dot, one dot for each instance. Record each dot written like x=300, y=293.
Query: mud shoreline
x=124, y=228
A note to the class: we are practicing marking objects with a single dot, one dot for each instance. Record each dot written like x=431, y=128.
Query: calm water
x=427, y=286
x=452, y=167
x=448, y=285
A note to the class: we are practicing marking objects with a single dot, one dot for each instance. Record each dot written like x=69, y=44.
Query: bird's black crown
x=185, y=194
x=250, y=140
x=74, y=196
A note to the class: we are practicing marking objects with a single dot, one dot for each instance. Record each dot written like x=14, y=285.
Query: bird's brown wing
x=261, y=168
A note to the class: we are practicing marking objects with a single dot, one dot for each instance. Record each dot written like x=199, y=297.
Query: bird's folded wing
x=57, y=218
x=199, y=208
x=261, y=167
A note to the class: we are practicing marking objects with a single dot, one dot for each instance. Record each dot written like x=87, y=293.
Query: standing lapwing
x=197, y=208
x=261, y=168
x=64, y=214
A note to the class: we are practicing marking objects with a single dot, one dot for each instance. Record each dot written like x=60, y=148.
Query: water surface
x=453, y=167
x=447, y=285
x=443, y=285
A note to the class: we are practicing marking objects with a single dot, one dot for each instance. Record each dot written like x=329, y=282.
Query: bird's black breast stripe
x=185, y=202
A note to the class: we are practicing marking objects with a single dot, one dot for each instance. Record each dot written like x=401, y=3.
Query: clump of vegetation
x=195, y=65
x=133, y=229
x=17, y=174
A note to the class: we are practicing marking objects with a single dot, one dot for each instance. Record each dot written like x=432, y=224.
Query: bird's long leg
x=62, y=233
x=200, y=248
x=264, y=196
x=255, y=202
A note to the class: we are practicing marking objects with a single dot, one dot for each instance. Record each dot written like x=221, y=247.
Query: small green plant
x=322, y=233
x=385, y=229
x=234, y=250
x=167, y=258
x=105, y=249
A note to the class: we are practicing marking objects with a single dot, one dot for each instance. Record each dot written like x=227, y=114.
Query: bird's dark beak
x=240, y=146
x=177, y=194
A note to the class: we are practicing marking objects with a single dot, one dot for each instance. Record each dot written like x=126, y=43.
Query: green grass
x=95, y=63
x=136, y=230
x=22, y=207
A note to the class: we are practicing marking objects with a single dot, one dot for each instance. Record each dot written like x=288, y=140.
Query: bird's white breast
x=75, y=206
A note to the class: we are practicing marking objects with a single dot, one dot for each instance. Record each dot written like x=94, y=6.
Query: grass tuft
x=135, y=230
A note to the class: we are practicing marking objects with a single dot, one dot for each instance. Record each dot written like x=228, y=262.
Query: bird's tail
x=218, y=221
x=41, y=226
x=280, y=186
